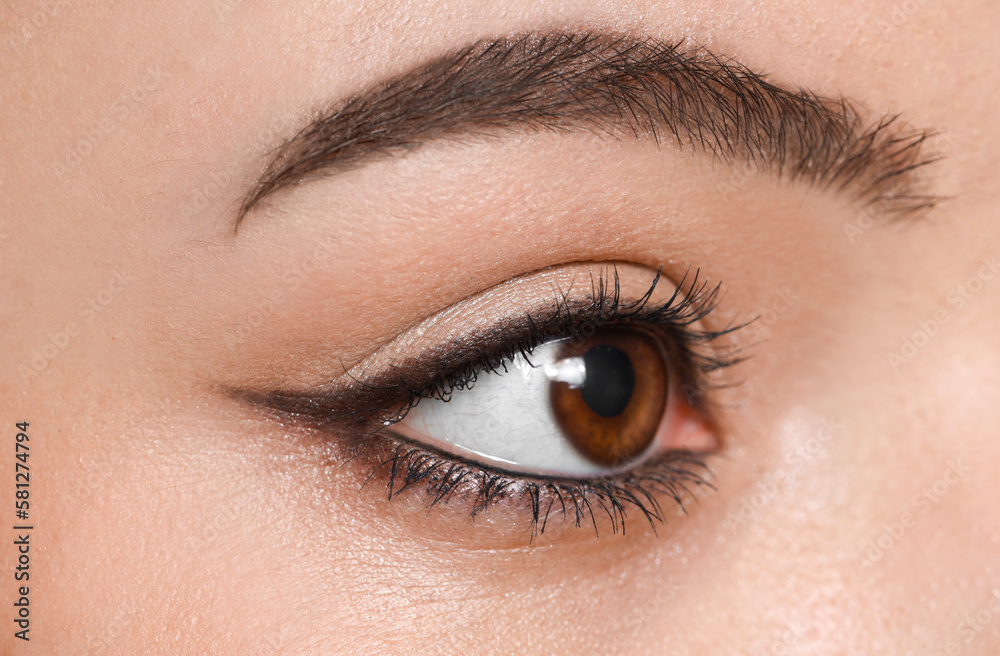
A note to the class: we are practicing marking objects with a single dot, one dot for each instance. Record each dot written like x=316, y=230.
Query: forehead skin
x=169, y=520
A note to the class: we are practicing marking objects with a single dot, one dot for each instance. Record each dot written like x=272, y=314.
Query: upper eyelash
x=568, y=317
x=361, y=409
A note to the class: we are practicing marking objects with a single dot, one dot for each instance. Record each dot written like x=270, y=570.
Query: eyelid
x=402, y=465
x=356, y=397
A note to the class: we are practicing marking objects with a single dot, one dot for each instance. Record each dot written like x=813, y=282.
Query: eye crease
x=573, y=407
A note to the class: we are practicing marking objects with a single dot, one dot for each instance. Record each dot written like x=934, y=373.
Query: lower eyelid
x=668, y=476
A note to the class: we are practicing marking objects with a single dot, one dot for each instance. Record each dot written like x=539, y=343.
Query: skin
x=854, y=504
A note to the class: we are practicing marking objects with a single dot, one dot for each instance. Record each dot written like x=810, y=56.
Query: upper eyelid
x=413, y=377
x=594, y=305
x=358, y=386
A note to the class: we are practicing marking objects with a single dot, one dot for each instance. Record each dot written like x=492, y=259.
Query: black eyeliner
x=438, y=372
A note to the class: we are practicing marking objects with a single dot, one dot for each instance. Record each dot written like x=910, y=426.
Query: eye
x=586, y=404
x=572, y=407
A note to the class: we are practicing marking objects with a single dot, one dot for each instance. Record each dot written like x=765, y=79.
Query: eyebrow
x=617, y=85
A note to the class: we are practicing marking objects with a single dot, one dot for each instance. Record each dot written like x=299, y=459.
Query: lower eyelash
x=672, y=475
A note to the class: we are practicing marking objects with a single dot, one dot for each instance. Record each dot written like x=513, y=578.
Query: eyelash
x=403, y=464
x=569, y=318
x=445, y=474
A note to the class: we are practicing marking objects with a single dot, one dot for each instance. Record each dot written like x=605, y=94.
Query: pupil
x=610, y=380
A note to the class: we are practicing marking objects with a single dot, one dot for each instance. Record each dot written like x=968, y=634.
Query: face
x=526, y=327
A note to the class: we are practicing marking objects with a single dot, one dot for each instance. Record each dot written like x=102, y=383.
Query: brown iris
x=614, y=415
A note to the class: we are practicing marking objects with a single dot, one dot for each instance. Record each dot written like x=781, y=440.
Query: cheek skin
x=271, y=529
